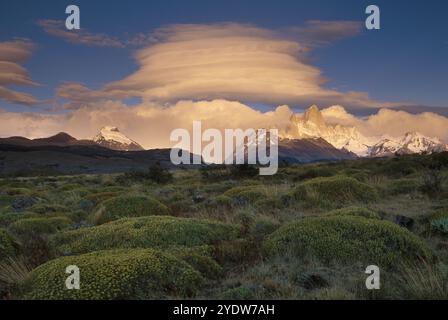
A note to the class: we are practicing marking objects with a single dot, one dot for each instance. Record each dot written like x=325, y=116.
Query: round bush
x=346, y=239
x=129, y=206
x=101, y=196
x=7, y=244
x=355, y=211
x=39, y=225
x=245, y=194
x=334, y=191
x=439, y=221
x=116, y=274
x=144, y=232
x=404, y=186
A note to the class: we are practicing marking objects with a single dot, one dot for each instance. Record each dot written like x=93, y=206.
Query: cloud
x=237, y=62
x=12, y=55
x=317, y=33
x=391, y=122
x=57, y=28
x=150, y=124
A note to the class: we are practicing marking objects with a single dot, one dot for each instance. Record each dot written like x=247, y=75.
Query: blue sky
x=404, y=61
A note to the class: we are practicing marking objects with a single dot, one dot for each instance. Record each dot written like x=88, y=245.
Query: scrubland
x=308, y=232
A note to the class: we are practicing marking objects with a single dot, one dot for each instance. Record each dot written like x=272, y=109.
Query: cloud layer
x=12, y=55
x=151, y=124
x=238, y=62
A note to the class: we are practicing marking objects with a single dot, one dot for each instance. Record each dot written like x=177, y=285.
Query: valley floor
x=308, y=232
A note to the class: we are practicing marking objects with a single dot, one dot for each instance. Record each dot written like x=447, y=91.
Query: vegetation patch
x=246, y=194
x=116, y=274
x=334, y=191
x=42, y=225
x=129, y=206
x=347, y=239
x=8, y=244
x=145, y=232
x=355, y=211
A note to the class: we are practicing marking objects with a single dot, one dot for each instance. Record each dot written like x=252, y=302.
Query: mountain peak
x=61, y=137
x=313, y=114
x=111, y=137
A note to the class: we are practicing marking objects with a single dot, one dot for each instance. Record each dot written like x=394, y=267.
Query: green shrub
x=144, y=232
x=334, y=192
x=101, y=196
x=39, y=225
x=116, y=274
x=439, y=221
x=7, y=218
x=347, y=239
x=239, y=293
x=355, y=211
x=46, y=208
x=403, y=186
x=130, y=206
x=8, y=245
x=199, y=258
x=246, y=194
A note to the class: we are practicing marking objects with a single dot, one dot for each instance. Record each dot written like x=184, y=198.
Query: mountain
x=61, y=139
x=112, y=138
x=313, y=125
x=411, y=142
x=310, y=150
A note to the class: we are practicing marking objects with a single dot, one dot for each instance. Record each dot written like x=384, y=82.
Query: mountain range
x=311, y=124
x=310, y=139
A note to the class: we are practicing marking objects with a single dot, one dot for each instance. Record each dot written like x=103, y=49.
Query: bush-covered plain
x=308, y=232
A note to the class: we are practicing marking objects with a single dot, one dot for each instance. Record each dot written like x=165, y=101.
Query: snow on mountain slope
x=411, y=142
x=312, y=124
x=112, y=138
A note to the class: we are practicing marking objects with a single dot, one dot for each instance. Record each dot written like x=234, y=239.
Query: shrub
x=334, y=191
x=116, y=274
x=355, y=211
x=439, y=221
x=129, y=206
x=403, y=186
x=199, y=258
x=101, y=196
x=45, y=208
x=433, y=182
x=159, y=174
x=8, y=245
x=145, y=232
x=346, y=239
x=246, y=194
x=7, y=218
x=39, y=225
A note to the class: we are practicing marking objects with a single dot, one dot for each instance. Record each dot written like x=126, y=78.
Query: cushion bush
x=333, y=191
x=129, y=206
x=40, y=225
x=115, y=274
x=347, y=239
x=144, y=232
x=8, y=244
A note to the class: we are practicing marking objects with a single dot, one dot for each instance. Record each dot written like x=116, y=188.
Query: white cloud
x=235, y=62
x=12, y=55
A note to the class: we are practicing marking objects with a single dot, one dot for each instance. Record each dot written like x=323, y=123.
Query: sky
x=144, y=61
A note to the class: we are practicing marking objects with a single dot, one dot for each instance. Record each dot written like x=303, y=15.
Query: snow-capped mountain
x=112, y=138
x=313, y=125
x=411, y=142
